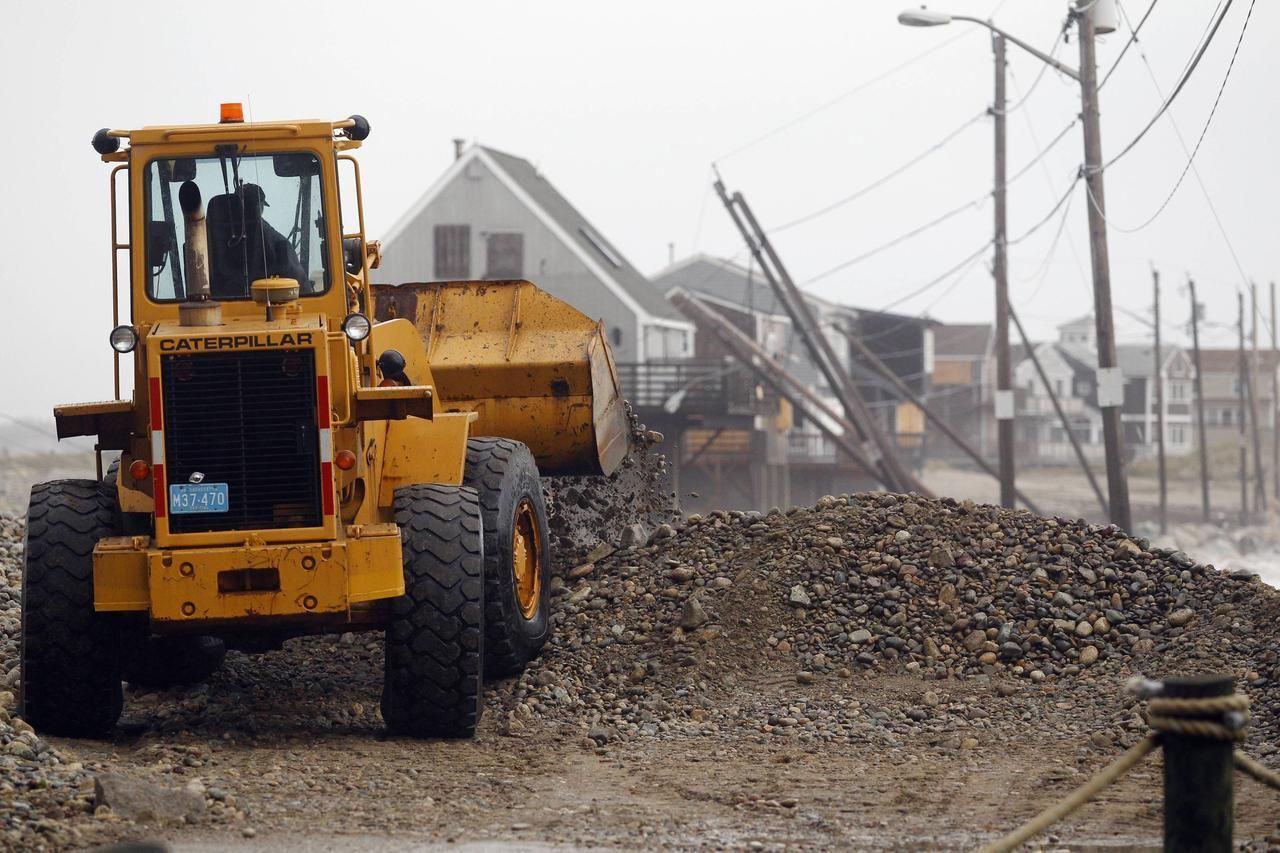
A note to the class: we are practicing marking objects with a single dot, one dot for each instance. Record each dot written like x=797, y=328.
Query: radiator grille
x=247, y=419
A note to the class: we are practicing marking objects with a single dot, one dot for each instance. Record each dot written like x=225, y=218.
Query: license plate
x=197, y=497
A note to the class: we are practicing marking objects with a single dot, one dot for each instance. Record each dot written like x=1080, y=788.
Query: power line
x=866, y=84
x=1133, y=37
x=914, y=232
x=1066, y=196
x=878, y=182
x=934, y=282
x=1186, y=76
x=33, y=428
x=1042, y=270
x=1048, y=177
x=933, y=223
x=1204, y=130
x=1043, y=151
x=1044, y=68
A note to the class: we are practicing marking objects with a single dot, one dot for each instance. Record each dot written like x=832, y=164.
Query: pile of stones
x=874, y=583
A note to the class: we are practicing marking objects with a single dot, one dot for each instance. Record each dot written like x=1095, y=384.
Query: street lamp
x=1096, y=16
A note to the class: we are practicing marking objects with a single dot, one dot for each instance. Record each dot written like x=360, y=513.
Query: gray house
x=495, y=216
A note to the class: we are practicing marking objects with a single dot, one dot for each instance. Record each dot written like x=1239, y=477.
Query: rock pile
x=938, y=590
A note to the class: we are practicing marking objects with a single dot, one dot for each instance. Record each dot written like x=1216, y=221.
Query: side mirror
x=353, y=254
x=159, y=244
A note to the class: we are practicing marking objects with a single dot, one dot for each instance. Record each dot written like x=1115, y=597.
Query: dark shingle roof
x=587, y=236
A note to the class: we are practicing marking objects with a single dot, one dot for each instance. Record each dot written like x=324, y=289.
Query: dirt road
x=297, y=774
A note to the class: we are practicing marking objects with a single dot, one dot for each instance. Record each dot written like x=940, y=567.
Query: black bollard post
x=1198, y=792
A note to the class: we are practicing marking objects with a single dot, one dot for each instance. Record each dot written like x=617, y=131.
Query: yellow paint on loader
x=482, y=359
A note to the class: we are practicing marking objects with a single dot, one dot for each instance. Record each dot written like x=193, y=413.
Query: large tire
x=517, y=603
x=435, y=636
x=70, y=653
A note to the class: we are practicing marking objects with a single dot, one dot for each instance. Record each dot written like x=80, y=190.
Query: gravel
x=675, y=637
x=870, y=618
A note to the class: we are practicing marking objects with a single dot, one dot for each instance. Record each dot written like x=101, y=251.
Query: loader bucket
x=534, y=368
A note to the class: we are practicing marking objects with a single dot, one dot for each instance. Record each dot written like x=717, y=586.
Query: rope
x=1258, y=771
x=1185, y=716
x=1215, y=717
x=1075, y=799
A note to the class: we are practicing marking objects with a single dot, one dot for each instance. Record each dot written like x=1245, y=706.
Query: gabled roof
x=1228, y=360
x=1082, y=368
x=723, y=279
x=747, y=287
x=1137, y=359
x=961, y=340
x=1084, y=320
x=562, y=219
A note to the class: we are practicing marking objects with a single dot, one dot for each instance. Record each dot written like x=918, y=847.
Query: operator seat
x=234, y=244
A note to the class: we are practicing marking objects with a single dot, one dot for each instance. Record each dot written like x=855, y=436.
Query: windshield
x=260, y=215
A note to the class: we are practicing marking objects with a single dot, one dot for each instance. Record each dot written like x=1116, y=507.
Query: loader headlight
x=356, y=327
x=123, y=339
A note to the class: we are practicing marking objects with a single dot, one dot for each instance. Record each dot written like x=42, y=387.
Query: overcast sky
x=626, y=106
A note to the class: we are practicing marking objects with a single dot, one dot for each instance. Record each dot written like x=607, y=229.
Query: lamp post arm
x=1036, y=52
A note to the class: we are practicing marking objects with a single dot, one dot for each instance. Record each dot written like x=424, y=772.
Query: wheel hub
x=526, y=559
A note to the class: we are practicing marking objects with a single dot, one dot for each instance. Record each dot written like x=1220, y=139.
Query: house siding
x=476, y=197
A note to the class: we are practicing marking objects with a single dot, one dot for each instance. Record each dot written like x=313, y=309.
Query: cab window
x=264, y=216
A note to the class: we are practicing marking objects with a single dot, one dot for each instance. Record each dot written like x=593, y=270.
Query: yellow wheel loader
x=301, y=452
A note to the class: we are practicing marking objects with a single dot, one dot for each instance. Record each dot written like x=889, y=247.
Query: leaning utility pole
x=1062, y=415
x=1242, y=383
x=1158, y=378
x=773, y=374
x=1202, y=439
x=1110, y=382
x=877, y=445
x=1000, y=268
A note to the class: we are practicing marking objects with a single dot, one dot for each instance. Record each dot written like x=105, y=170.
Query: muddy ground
x=298, y=782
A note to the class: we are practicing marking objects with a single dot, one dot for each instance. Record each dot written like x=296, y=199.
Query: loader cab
x=265, y=215
x=268, y=203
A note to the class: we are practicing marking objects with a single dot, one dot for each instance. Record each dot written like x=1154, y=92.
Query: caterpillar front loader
x=288, y=464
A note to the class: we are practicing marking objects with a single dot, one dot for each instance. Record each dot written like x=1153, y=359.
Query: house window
x=453, y=252
x=1177, y=390
x=1177, y=434
x=504, y=255
x=1060, y=388
x=1227, y=417
x=615, y=335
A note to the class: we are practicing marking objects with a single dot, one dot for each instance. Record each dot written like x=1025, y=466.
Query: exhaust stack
x=199, y=309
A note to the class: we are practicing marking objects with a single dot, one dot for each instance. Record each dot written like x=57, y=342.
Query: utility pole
x=1202, y=440
x=1110, y=383
x=1158, y=378
x=1275, y=400
x=1260, y=481
x=1241, y=380
x=1004, y=370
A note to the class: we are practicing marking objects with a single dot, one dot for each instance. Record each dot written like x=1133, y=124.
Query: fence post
x=1198, y=793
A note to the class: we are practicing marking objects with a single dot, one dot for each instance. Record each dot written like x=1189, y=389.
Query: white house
x=495, y=216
